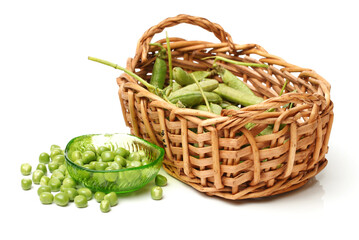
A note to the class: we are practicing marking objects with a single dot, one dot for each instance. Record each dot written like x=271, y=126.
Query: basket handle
x=143, y=42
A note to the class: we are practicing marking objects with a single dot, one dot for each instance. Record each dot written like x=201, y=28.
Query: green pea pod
x=182, y=77
x=159, y=73
x=216, y=109
x=201, y=75
x=266, y=131
x=193, y=98
x=232, y=107
x=235, y=96
x=225, y=104
x=233, y=81
x=201, y=107
x=159, y=69
x=175, y=86
x=207, y=86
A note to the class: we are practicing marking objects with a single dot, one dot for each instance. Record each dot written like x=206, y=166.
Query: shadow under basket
x=216, y=154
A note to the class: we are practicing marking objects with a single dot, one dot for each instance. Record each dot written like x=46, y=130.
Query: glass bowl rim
x=155, y=162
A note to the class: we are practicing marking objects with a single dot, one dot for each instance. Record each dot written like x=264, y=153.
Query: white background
x=51, y=93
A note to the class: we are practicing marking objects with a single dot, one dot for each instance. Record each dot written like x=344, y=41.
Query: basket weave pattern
x=218, y=155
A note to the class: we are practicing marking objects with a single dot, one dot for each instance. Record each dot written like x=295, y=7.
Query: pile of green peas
x=60, y=188
x=105, y=159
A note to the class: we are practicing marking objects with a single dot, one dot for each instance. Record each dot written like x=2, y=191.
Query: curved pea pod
x=159, y=73
x=193, y=98
x=233, y=81
x=207, y=86
x=235, y=96
x=182, y=77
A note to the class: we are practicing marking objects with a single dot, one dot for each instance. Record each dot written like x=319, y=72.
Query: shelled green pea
x=105, y=206
x=80, y=201
x=44, y=158
x=156, y=193
x=26, y=183
x=160, y=180
x=37, y=175
x=46, y=198
x=25, y=169
x=61, y=199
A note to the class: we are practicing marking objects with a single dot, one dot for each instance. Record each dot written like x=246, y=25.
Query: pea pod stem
x=284, y=85
x=169, y=55
x=203, y=95
x=235, y=62
x=158, y=45
x=149, y=86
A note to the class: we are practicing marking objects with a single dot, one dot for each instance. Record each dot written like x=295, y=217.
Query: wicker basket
x=218, y=155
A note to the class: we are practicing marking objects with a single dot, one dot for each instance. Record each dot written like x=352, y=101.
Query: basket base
x=258, y=191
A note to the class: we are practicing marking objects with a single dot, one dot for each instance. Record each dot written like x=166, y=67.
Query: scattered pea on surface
x=53, y=166
x=42, y=189
x=61, y=199
x=69, y=182
x=105, y=206
x=55, y=184
x=99, y=196
x=62, y=168
x=46, y=198
x=58, y=174
x=44, y=181
x=37, y=175
x=55, y=152
x=59, y=159
x=80, y=201
x=44, y=158
x=26, y=183
x=71, y=192
x=54, y=146
x=25, y=169
x=160, y=180
x=86, y=192
x=156, y=193
x=42, y=167
x=112, y=198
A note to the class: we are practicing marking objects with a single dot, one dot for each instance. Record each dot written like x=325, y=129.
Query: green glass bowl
x=123, y=180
